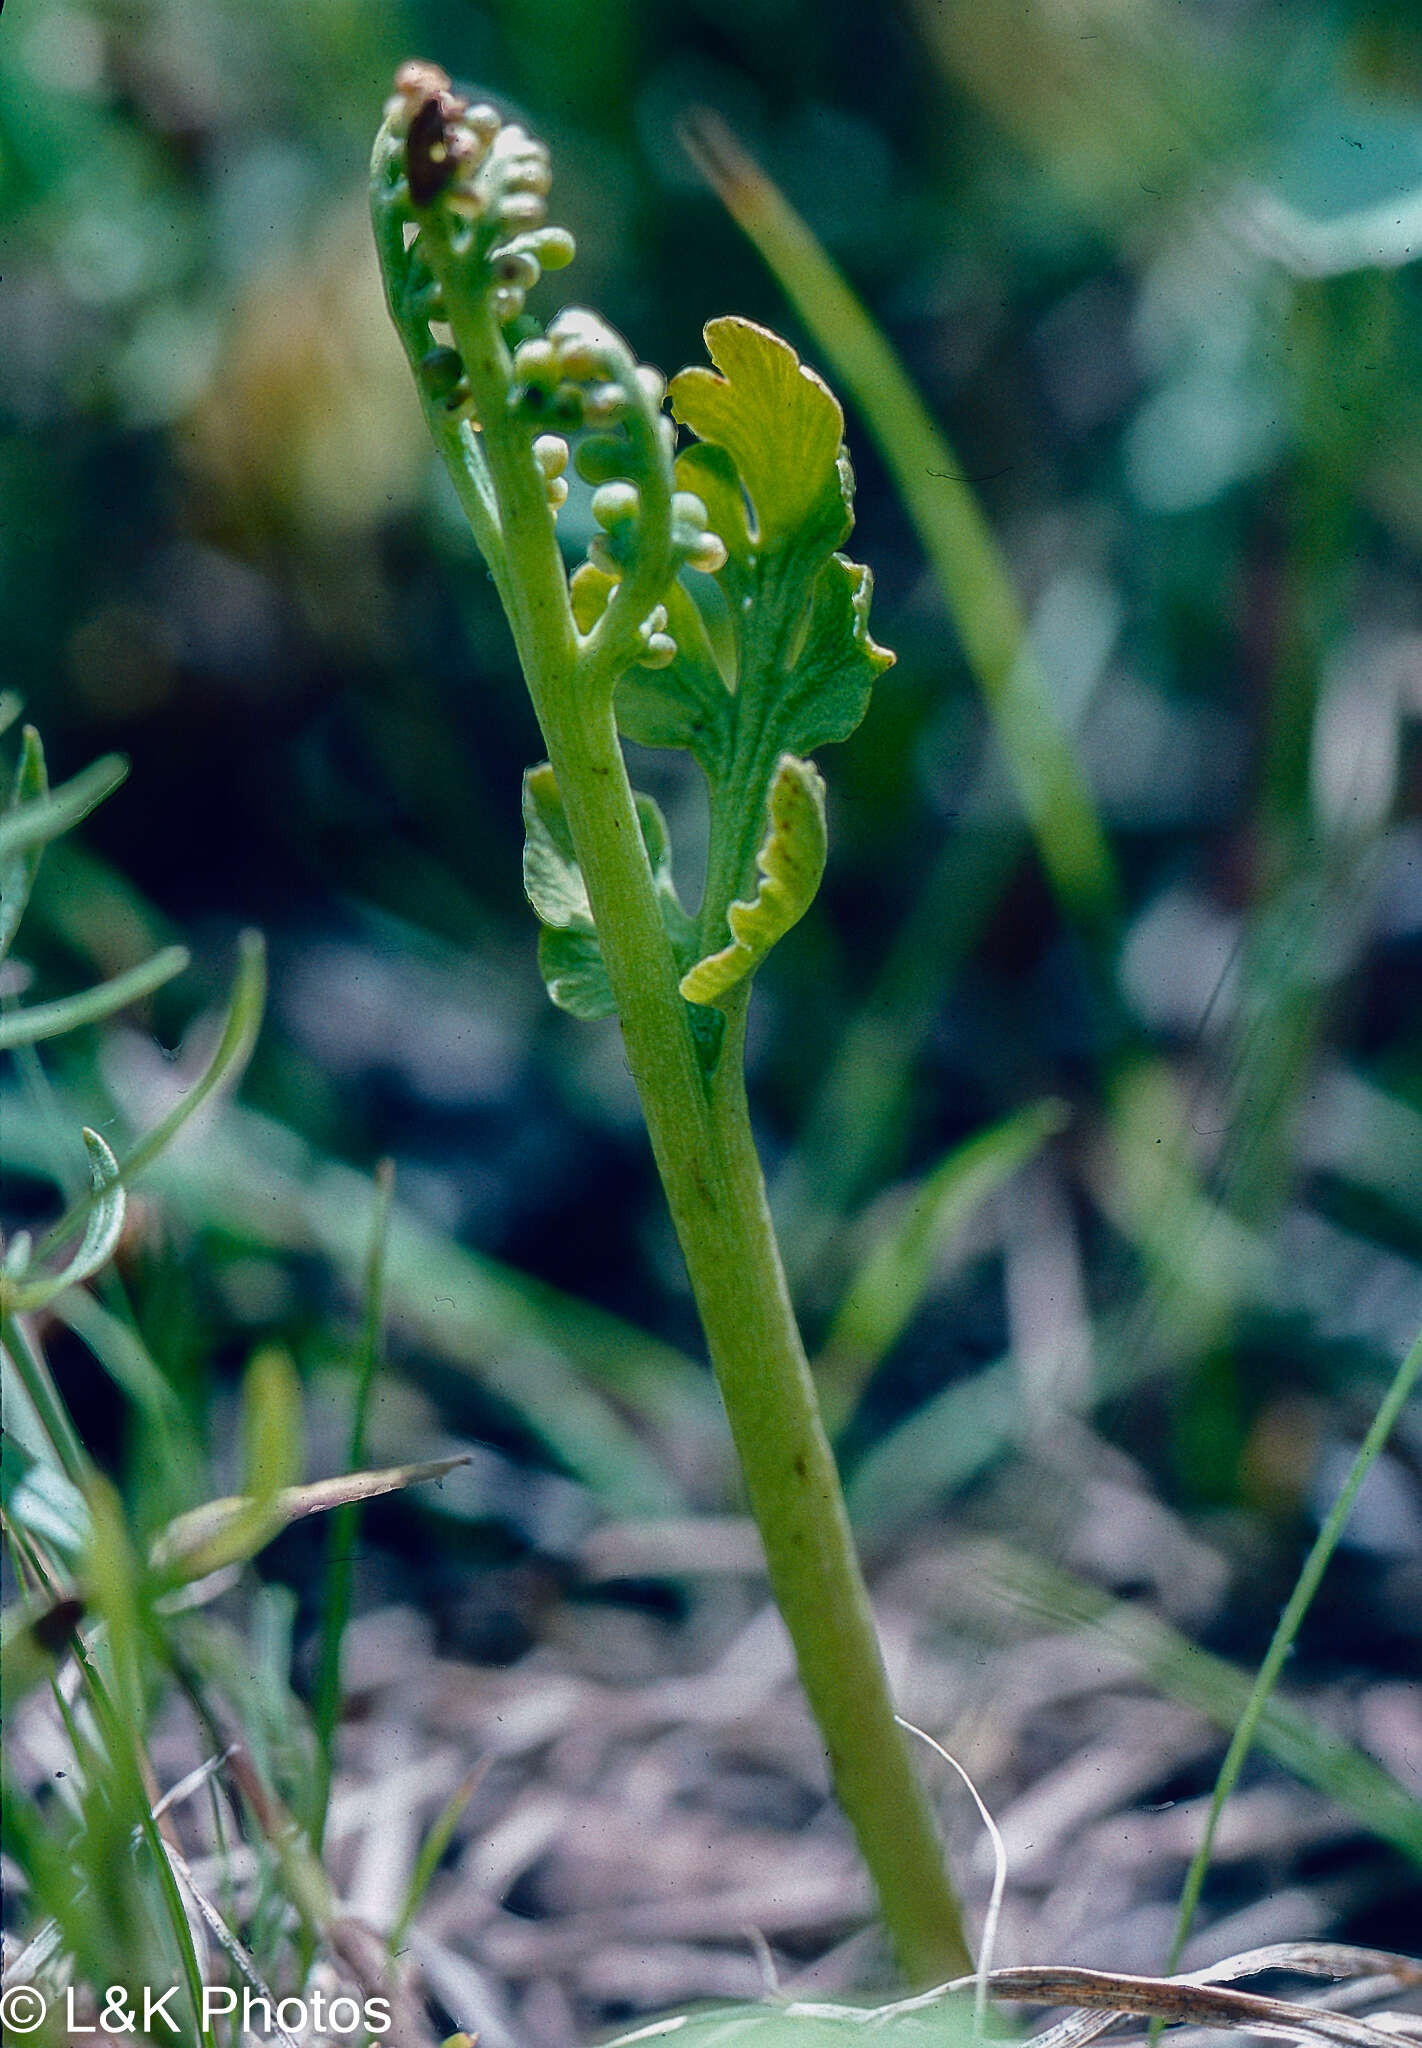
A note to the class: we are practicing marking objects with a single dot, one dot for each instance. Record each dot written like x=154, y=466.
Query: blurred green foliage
x=1150, y=270
x=1151, y=276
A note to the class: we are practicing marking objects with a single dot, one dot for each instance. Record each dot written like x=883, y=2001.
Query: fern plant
x=714, y=612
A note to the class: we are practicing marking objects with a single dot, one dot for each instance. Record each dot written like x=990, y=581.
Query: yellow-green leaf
x=790, y=863
x=780, y=424
x=272, y=1424
x=773, y=651
x=590, y=588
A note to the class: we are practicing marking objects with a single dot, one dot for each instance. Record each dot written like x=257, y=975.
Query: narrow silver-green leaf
x=234, y=1049
x=45, y=817
x=18, y=871
x=23, y=1293
x=38, y=1499
x=35, y=1413
x=573, y=1373
x=910, y=1470
x=69, y=1013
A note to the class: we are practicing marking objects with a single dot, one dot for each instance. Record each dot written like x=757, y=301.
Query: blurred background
x=1150, y=266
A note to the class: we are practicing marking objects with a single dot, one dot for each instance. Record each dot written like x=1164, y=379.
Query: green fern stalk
x=713, y=613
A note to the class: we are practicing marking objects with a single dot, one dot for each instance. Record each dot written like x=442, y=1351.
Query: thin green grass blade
x=46, y=1856
x=1214, y=1688
x=126, y=1359
x=115, y=1583
x=17, y=874
x=345, y=1524
x=43, y=1397
x=885, y=1292
x=860, y=1112
x=1290, y=1621
x=432, y=1854
x=49, y=1020
x=44, y=1508
x=94, y=910
x=861, y=1107
x=46, y=1524
x=228, y=1063
x=224, y=1069
x=236, y=1527
x=273, y=1425
x=977, y=588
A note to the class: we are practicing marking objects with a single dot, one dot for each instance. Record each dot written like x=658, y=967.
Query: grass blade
x=885, y=1292
x=119, y=1349
x=49, y=1020
x=345, y=1526
x=225, y=1068
x=44, y=817
x=572, y=1372
x=43, y=1397
x=17, y=874
x=943, y=1444
x=1214, y=1688
x=230, y=1530
x=567, y=1369
x=1290, y=1621
x=234, y=1049
x=115, y=1685
x=861, y=1108
x=432, y=1852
